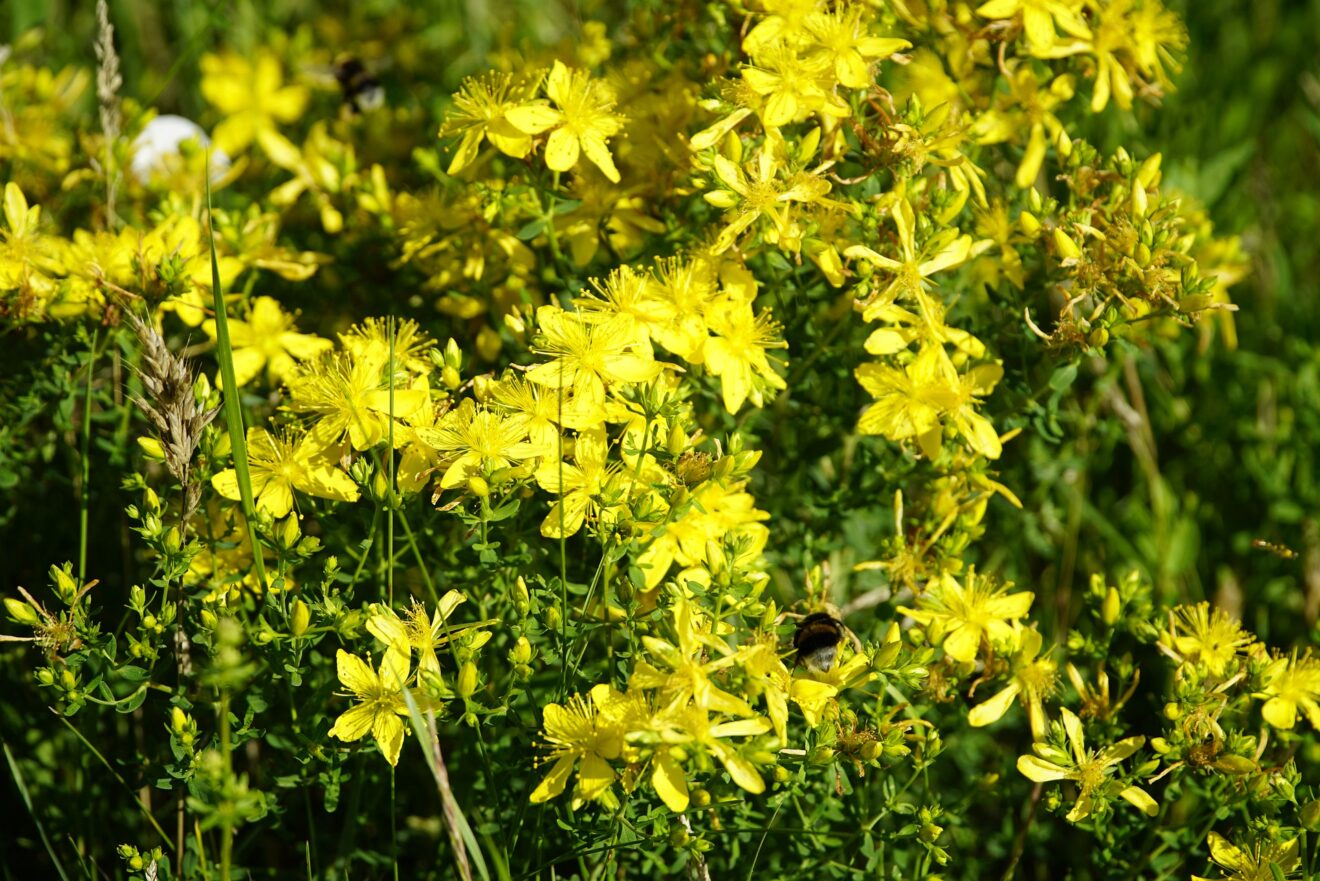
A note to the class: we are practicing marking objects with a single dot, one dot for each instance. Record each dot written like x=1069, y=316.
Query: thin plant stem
x=84, y=495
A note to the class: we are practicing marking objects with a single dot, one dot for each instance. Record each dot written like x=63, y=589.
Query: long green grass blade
x=27, y=802
x=233, y=406
x=419, y=728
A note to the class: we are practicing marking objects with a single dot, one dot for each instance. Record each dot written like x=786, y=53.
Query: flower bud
x=1309, y=815
x=478, y=486
x=21, y=612
x=151, y=448
x=299, y=618
x=178, y=721
x=677, y=442
x=1113, y=604
x=64, y=584
x=1232, y=764
x=1028, y=223
x=1066, y=247
x=1138, y=202
x=467, y=680
x=289, y=533
x=521, y=653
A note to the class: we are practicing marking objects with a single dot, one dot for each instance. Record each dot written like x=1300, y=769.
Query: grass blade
x=233, y=408
x=27, y=802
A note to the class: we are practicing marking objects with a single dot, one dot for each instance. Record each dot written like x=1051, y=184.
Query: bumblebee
x=361, y=89
x=817, y=641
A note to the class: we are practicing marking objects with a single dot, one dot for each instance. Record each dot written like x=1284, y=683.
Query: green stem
x=84, y=495
x=226, y=819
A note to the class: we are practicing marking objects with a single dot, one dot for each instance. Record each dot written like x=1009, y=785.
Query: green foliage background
x=1227, y=450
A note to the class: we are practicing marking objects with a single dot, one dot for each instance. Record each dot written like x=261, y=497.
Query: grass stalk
x=232, y=403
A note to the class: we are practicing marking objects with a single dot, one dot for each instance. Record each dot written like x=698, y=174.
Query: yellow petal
x=561, y=150
x=388, y=731
x=963, y=643
x=328, y=483
x=532, y=119
x=599, y=154
x=742, y=772
x=594, y=776
x=993, y=710
x=1141, y=800
x=554, y=782
x=353, y=724
x=226, y=483
x=275, y=498
x=1039, y=770
x=669, y=782
x=355, y=674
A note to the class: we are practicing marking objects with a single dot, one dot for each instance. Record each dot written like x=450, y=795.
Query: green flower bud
x=1309, y=815
x=299, y=618
x=521, y=652
x=21, y=612
x=467, y=680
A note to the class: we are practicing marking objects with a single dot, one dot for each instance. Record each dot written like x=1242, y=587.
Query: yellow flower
x=587, y=355
x=794, y=87
x=774, y=681
x=842, y=38
x=690, y=727
x=252, y=97
x=963, y=616
x=915, y=401
x=1291, y=684
x=351, y=396
x=27, y=257
x=1034, y=679
x=1039, y=19
x=1199, y=634
x=698, y=654
x=370, y=341
x=476, y=441
x=1089, y=769
x=425, y=633
x=942, y=252
x=582, y=485
x=1256, y=864
x=279, y=465
x=736, y=352
x=586, y=121
x=486, y=107
x=267, y=339
x=380, y=702
x=630, y=297
x=686, y=288
x=321, y=167
x=720, y=512
x=579, y=732
x=749, y=196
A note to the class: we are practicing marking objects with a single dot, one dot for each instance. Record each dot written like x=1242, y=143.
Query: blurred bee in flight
x=361, y=89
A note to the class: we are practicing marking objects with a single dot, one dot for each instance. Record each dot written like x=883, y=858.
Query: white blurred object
x=156, y=149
